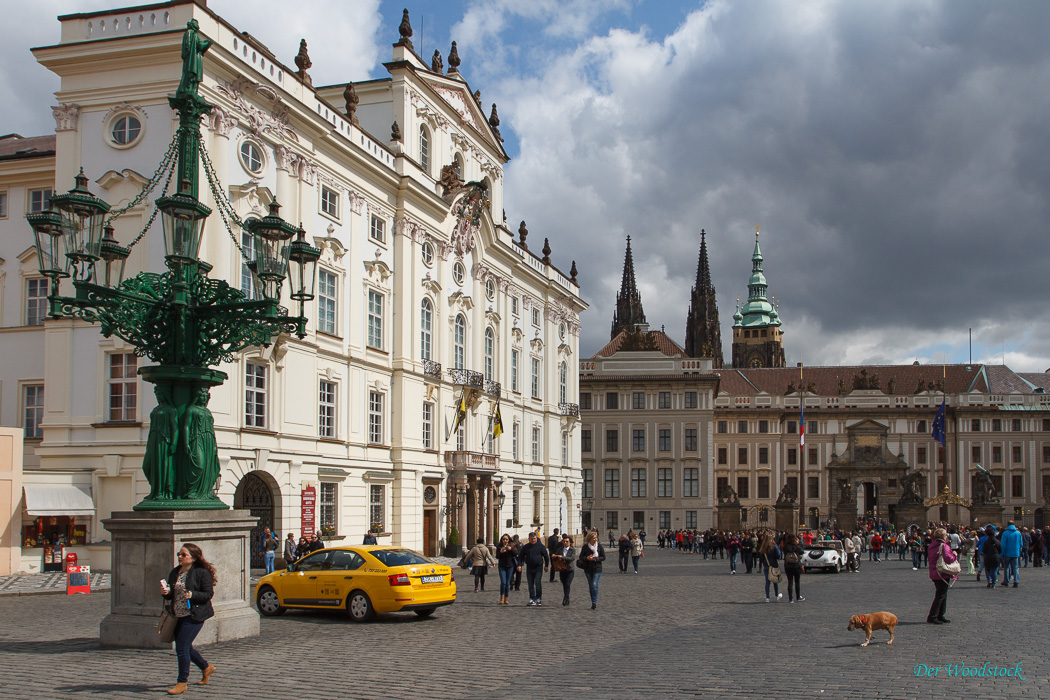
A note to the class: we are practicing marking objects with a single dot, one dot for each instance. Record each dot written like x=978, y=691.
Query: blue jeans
x=592, y=585
x=1010, y=570
x=732, y=561
x=634, y=560
x=505, y=577
x=268, y=560
x=776, y=586
x=991, y=573
x=534, y=575
x=916, y=558
x=185, y=632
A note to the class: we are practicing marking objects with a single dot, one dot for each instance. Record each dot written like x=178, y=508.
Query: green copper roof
x=757, y=311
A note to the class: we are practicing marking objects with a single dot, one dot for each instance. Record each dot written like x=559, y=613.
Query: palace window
x=424, y=150
x=40, y=200
x=638, y=440
x=33, y=410
x=459, y=342
x=1015, y=454
x=514, y=354
x=490, y=345
x=638, y=400
x=690, y=482
x=1015, y=425
x=741, y=426
x=920, y=455
x=535, y=444
x=585, y=441
x=326, y=302
x=1017, y=485
x=377, y=229
x=997, y=425
x=741, y=455
x=763, y=487
x=612, y=484
x=612, y=401
x=813, y=488
x=123, y=387
x=638, y=482
x=665, y=520
x=920, y=426
x=723, y=426
x=588, y=483
x=665, y=482
x=330, y=201
x=792, y=456
x=375, y=418
x=763, y=426
x=514, y=440
x=375, y=319
x=327, y=503
x=612, y=440
x=376, y=511
x=975, y=453
x=535, y=378
x=664, y=399
x=428, y=425
x=247, y=254
x=326, y=409
x=36, y=301
x=763, y=455
x=585, y=402
x=690, y=519
x=723, y=455
x=563, y=381
x=690, y=440
x=255, y=387
x=742, y=487
x=426, y=330
x=665, y=439
x=690, y=399
x=997, y=454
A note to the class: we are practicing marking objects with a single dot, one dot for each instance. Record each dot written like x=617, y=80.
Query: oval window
x=428, y=253
x=458, y=273
x=252, y=157
x=490, y=289
x=126, y=130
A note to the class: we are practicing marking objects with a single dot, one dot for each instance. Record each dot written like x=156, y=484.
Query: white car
x=825, y=555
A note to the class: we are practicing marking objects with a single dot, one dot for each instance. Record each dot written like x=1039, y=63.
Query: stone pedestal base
x=144, y=548
x=729, y=518
x=786, y=519
x=982, y=515
x=905, y=515
x=845, y=516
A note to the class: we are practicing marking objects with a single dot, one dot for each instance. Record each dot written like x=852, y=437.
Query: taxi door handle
x=313, y=577
x=347, y=578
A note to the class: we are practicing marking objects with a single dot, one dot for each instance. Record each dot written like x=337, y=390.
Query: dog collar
x=863, y=619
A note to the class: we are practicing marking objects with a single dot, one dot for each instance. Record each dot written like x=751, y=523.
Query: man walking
x=268, y=548
x=554, y=547
x=535, y=558
x=1011, y=544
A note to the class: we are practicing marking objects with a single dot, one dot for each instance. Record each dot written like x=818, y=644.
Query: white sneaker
x=779, y=596
x=914, y=568
x=800, y=599
x=767, y=600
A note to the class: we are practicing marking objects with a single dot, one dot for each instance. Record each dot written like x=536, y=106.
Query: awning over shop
x=57, y=500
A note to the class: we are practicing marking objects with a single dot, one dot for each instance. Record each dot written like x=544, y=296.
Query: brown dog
x=871, y=622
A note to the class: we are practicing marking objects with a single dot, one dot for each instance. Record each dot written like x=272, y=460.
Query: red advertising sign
x=78, y=579
x=309, y=510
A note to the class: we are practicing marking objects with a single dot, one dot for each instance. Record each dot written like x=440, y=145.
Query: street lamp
x=182, y=320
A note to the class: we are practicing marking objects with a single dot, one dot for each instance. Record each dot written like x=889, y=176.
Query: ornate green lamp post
x=181, y=319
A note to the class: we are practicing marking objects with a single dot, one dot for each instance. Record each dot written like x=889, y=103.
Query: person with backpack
x=990, y=555
x=793, y=568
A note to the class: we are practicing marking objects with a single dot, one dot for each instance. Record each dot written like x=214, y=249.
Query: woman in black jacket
x=189, y=587
x=592, y=555
x=564, y=562
x=793, y=567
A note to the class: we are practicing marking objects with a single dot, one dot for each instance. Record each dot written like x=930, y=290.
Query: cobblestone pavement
x=683, y=627
x=32, y=584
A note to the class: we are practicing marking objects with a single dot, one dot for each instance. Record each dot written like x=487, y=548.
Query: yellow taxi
x=363, y=580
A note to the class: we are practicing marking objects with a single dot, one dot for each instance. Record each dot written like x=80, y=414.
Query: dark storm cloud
x=894, y=153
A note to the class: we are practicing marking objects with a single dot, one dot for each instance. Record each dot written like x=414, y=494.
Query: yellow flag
x=461, y=413
x=497, y=427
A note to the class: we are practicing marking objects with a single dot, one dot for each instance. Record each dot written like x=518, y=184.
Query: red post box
x=71, y=560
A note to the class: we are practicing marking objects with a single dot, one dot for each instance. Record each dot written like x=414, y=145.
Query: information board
x=309, y=509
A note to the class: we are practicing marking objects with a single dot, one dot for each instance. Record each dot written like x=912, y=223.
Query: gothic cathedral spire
x=703, y=334
x=629, y=311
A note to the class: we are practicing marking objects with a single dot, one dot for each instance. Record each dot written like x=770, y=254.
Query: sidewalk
x=43, y=584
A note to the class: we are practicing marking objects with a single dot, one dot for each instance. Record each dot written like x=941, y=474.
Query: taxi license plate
x=433, y=579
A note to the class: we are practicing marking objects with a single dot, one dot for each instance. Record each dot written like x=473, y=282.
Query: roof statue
x=477, y=97
x=352, y=100
x=629, y=311
x=494, y=122
x=302, y=62
x=573, y=274
x=450, y=181
x=453, y=60
x=436, y=64
x=523, y=233
x=405, y=30
x=546, y=251
x=703, y=333
x=395, y=131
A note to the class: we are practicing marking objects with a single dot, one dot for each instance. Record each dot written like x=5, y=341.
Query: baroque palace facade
x=665, y=429
x=417, y=310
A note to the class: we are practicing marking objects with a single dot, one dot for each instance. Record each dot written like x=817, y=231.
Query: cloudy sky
x=896, y=153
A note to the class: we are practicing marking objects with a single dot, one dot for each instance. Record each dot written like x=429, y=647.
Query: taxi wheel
x=425, y=612
x=269, y=604
x=359, y=607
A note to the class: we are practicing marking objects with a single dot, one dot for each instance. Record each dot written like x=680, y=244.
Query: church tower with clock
x=757, y=338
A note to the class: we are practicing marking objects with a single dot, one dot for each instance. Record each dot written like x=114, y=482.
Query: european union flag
x=938, y=425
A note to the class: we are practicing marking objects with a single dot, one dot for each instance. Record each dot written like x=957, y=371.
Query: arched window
x=426, y=324
x=459, y=343
x=563, y=378
x=490, y=344
x=457, y=162
x=424, y=149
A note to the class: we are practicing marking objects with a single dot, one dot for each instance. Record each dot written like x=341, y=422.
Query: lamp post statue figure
x=181, y=319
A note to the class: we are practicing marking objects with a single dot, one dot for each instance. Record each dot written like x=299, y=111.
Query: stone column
x=785, y=518
x=144, y=547
x=490, y=512
x=461, y=512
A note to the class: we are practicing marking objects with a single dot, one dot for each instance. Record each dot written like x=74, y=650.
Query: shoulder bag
x=166, y=626
x=946, y=569
x=773, y=574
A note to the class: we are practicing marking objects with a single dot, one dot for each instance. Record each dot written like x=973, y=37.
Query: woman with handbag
x=189, y=587
x=478, y=559
x=565, y=564
x=944, y=569
x=637, y=550
x=591, y=557
x=770, y=554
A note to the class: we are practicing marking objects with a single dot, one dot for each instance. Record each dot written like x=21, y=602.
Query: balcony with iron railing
x=432, y=369
x=569, y=409
x=467, y=378
x=472, y=462
x=493, y=388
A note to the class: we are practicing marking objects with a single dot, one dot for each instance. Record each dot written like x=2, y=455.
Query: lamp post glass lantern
x=180, y=319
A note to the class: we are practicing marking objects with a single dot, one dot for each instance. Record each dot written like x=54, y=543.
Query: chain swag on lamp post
x=181, y=319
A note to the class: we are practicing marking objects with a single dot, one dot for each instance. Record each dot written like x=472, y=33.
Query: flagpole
x=801, y=448
x=944, y=469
